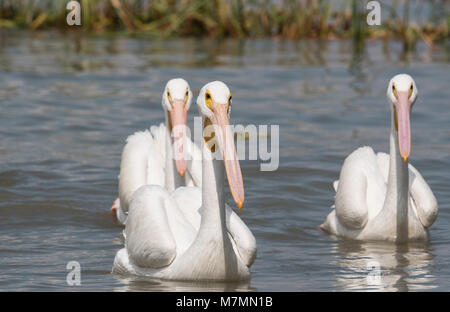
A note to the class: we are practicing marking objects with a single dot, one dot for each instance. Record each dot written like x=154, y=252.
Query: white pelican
x=191, y=234
x=380, y=196
x=148, y=156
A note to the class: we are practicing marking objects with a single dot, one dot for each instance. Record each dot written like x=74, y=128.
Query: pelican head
x=176, y=100
x=214, y=103
x=402, y=93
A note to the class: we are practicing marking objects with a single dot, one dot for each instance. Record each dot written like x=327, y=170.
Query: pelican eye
x=208, y=100
x=229, y=104
x=411, y=88
x=394, y=91
x=168, y=96
x=186, y=95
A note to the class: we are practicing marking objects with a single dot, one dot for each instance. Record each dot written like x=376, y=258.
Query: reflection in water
x=379, y=266
x=131, y=283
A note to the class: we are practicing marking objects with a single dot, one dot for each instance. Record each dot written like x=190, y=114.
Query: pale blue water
x=67, y=104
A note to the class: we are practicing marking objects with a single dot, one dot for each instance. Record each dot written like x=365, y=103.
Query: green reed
x=287, y=19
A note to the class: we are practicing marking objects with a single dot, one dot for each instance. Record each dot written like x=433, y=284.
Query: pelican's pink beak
x=225, y=141
x=178, y=118
x=403, y=109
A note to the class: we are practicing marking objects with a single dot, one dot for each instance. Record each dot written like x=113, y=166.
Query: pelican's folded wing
x=141, y=164
x=148, y=238
x=242, y=236
x=351, y=197
x=425, y=202
x=159, y=134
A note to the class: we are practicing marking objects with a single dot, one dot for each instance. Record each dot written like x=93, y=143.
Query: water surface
x=68, y=102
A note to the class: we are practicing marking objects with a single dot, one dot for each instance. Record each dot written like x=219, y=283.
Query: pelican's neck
x=211, y=255
x=398, y=186
x=213, y=199
x=172, y=178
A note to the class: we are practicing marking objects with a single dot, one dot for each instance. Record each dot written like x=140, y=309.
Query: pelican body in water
x=380, y=196
x=190, y=233
x=154, y=156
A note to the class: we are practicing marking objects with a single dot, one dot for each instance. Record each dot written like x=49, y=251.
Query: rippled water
x=67, y=103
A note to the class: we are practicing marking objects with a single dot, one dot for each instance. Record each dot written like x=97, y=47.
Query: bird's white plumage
x=141, y=164
x=145, y=156
x=160, y=231
x=177, y=89
x=219, y=93
x=360, y=196
x=187, y=234
x=379, y=196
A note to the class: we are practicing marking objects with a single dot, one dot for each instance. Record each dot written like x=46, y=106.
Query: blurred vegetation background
x=407, y=20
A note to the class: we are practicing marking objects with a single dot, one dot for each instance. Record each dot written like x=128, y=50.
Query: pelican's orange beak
x=225, y=142
x=178, y=117
x=403, y=109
